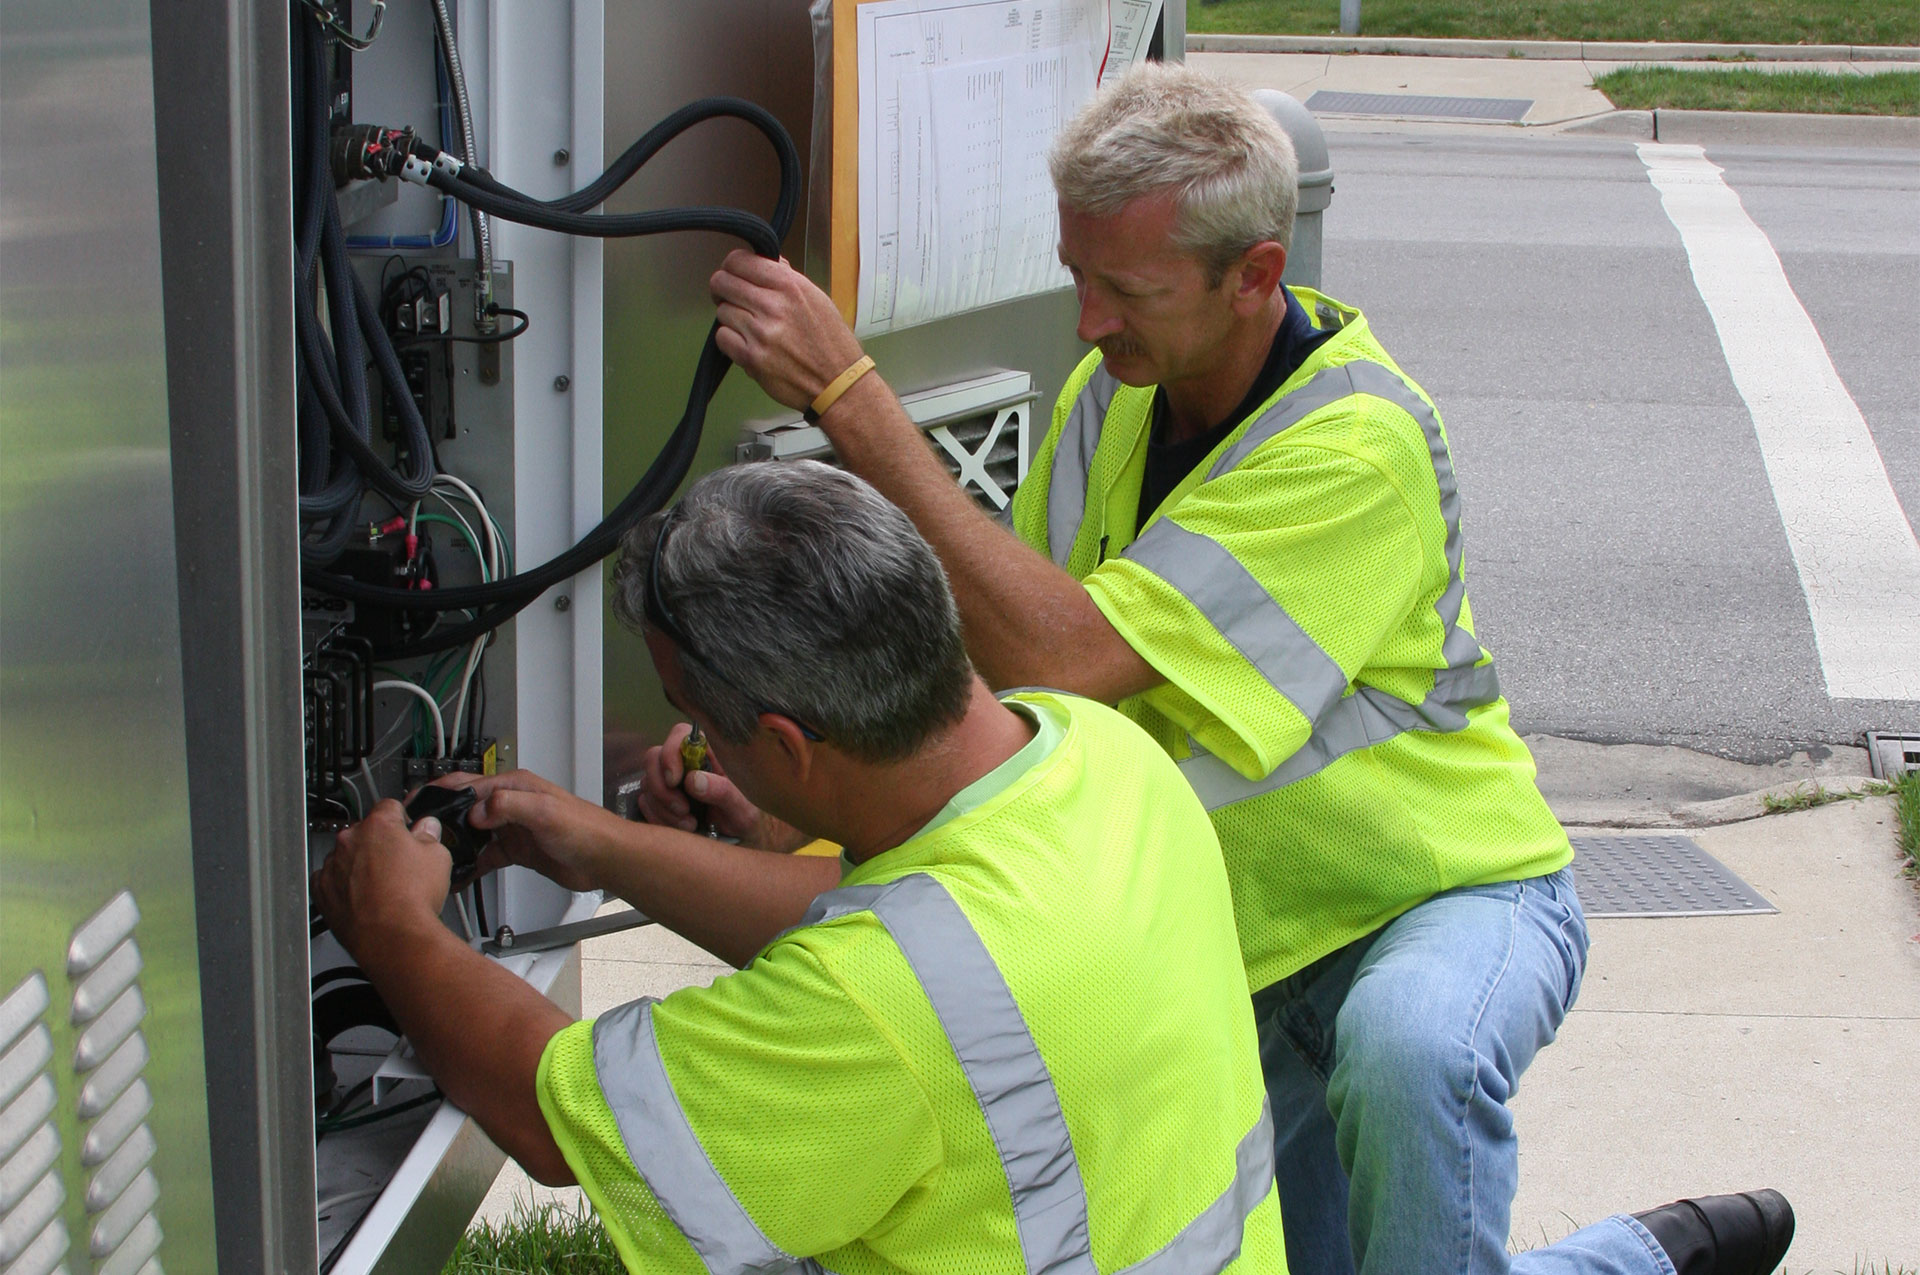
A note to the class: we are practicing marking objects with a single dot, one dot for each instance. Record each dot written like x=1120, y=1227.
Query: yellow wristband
x=836, y=387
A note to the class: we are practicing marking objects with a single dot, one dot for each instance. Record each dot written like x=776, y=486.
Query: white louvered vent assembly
x=982, y=428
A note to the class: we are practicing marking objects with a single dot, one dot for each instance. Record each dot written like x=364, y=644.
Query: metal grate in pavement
x=1509, y=109
x=1658, y=874
x=1892, y=755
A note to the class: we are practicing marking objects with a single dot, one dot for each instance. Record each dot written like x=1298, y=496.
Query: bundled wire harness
x=338, y=460
x=337, y=484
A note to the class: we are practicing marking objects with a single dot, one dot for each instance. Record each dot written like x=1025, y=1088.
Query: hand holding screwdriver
x=672, y=790
x=693, y=757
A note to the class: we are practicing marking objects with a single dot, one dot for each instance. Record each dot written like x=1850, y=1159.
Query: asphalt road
x=1626, y=560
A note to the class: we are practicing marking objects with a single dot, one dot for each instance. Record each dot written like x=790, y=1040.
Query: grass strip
x=1642, y=88
x=1805, y=796
x=1689, y=21
x=1906, y=806
x=538, y=1239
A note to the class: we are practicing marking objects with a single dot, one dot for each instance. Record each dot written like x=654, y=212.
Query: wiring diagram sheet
x=959, y=101
x=1133, y=24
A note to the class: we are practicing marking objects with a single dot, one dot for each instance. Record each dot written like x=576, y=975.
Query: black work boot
x=1744, y=1234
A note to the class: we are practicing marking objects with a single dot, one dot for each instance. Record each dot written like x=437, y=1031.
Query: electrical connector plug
x=451, y=807
x=370, y=152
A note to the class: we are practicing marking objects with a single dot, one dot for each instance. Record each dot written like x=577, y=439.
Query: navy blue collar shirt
x=1169, y=463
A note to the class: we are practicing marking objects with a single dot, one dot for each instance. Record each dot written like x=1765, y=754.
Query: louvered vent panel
x=117, y=1147
x=981, y=429
x=33, y=1239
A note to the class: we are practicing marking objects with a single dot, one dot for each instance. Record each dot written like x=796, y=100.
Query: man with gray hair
x=1243, y=529
x=973, y=1052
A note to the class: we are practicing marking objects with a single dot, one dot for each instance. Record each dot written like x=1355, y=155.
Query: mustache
x=1119, y=348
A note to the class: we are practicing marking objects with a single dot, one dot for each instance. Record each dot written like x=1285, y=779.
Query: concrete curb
x=1558, y=50
x=1760, y=128
x=1753, y=805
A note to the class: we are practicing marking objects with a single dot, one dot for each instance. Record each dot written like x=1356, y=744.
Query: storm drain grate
x=1508, y=109
x=1892, y=755
x=1658, y=874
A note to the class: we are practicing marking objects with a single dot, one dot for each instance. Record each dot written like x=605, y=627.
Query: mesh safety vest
x=1303, y=593
x=1018, y=1042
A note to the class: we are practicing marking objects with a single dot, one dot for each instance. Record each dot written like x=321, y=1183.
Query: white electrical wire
x=433, y=707
x=466, y=685
x=479, y=506
x=494, y=565
x=361, y=804
x=482, y=556
x=489, y=570
x=466, y=921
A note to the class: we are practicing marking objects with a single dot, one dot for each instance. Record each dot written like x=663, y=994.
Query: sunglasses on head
x=661, y=618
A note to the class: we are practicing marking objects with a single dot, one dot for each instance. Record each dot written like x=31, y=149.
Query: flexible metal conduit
x=483, y=318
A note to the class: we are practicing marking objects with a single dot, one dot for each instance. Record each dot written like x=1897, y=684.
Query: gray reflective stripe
x=1460, y=649
x=663, y=1147
x=1211, y=1242
x=1073, y=462
x=834, y=904
x=1329, y=386
x=989, y=1036
x=1239, y=607
x=1368, y=716
x=1003, y=1066
x=1323, y=389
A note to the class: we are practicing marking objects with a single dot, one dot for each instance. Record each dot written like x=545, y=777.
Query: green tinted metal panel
x=93, y=795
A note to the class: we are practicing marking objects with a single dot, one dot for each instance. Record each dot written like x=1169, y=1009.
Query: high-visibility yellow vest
x=1303, y=592
x=1018, y=1042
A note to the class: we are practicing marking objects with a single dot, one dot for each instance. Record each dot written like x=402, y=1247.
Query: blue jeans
x=1390, y=1062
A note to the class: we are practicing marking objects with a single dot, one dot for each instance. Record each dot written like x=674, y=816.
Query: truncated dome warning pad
x=1508, y=109
x=1657, y=874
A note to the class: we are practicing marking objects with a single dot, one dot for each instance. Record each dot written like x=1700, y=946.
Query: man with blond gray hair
x=1243, y=530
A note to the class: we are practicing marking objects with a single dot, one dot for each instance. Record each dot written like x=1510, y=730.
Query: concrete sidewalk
x=1561, y=92
x=1712, y=1054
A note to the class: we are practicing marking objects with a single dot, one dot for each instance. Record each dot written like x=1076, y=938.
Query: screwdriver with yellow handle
x=693, y=756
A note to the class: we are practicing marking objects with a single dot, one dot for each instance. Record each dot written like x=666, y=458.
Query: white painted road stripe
x=1855, y=551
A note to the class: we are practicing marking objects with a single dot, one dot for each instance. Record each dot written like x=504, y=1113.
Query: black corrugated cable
x=656, y=486
x=389, y=150
x=334, y=375
x=330, y=485
x=621, y=171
